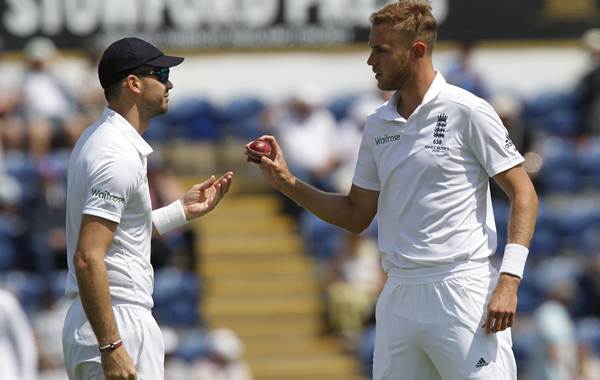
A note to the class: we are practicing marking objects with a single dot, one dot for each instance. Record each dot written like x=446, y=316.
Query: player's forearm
x=333, y=208
x=92, y=279
x=523, y=214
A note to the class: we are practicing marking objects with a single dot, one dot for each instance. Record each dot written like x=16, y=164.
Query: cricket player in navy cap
x=109, y=331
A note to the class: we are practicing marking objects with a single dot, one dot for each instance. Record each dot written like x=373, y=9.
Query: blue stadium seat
x=551, y=272
x=176, y=297
x=588, y=156
x=171, y=284
x=559, y=172
x=553, y=113
x=58, y=282
x=197, y=119
x=545, y=242
x=524, y=345
x=588, y=333
x=193, y=345
x=184, y=312
x=501, y=214
x=23, y=168
x=588, y=241
x=588, y=161
x=561, y=122
x=243, y=117
x=243, y=108
x=55, y=164
x=572, y=221
x=530, y=296
x=322, y=239
x=8, y=253
x=547, y=235
x=366, y=348
x=340, y=106
x=29, y=287
x=248, y=129
x=161, y=130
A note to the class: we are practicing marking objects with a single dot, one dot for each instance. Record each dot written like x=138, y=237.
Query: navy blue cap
x=124, y=56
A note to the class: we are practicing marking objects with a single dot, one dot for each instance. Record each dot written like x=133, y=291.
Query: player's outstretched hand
x=203, y=197
x=117, y=365
x=503, y=304
x=274, y=167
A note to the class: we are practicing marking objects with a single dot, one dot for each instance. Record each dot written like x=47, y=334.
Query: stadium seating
x=176, y=297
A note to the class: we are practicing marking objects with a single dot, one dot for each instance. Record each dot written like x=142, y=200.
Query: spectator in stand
x=462, y=74
x=509, y=110
x=90, y=94
x=308, y=127
x=590, y=285
x=49, y=108
x=349, y=134
x=588, y=367
x=12, y=226
x=18, y=352
x=178, y=247
x=224, y=360
x=588, y=90
x=47, y=324
x=354, y=281
x=308, y=131
x=555, y=354
x=217, y=355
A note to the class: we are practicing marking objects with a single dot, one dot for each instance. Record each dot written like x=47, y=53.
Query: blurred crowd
x=557, y=333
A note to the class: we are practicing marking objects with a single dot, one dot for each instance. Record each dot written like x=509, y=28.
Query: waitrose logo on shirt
x=386, y=139
x=107, y=196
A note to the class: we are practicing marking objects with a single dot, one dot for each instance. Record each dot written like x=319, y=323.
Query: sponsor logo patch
x=107, y=196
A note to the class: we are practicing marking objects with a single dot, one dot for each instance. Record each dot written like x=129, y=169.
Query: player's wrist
x=287, y=183
x=110, y=347
x=513, y=261
x=185, y=211
x=509, y=280
x=169, y=217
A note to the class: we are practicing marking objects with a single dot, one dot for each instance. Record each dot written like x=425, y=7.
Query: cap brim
x=165, y=61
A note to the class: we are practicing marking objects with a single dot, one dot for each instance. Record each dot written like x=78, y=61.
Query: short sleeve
x=365, y=174
x=111, y=184
x=490, y=142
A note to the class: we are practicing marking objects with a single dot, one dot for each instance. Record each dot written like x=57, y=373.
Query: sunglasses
x=162, y=75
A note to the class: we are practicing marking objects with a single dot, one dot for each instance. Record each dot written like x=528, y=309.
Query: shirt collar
x=128, y=131
x=390, y=113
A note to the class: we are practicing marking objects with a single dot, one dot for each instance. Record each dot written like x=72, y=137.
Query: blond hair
x=412, y=19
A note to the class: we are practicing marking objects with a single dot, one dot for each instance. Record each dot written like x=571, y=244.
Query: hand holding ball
x=258, y=148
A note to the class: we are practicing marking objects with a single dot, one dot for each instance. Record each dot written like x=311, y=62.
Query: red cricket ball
x=258, y=148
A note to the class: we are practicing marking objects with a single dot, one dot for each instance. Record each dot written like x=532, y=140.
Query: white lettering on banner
x=337, y=12
x=21, y=19
x=225, y=22
x=153, y=14
x=187, y=14
x=259, y=13
x=278, y=36
x=81, y=16
x=51, y=17
x=354, y=12
x=296, y=11
x=439, y=9
x=226, y=13
x=121, y=15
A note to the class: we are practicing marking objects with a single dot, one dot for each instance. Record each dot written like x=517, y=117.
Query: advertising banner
x=234, y=24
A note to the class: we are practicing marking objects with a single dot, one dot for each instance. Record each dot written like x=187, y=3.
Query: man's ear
x=133, y=84
x=420, y=49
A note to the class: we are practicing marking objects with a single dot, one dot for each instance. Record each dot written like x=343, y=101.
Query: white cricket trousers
x=141, y=336
x=429, y=328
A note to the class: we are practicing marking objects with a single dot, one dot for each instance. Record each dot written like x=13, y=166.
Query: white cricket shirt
x=432, y=172
x=107, y=178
